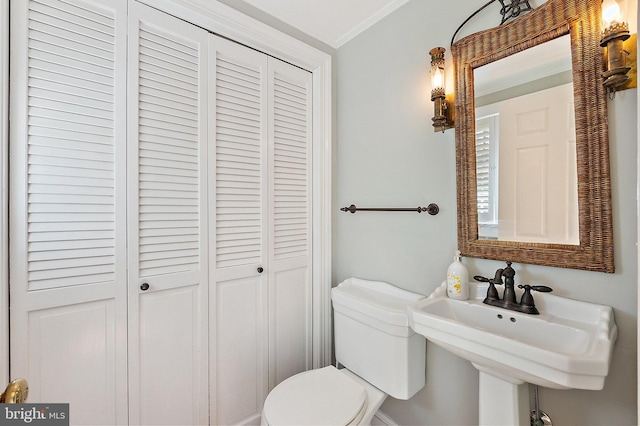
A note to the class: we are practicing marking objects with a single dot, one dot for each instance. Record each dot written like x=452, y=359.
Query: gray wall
x=388, y=155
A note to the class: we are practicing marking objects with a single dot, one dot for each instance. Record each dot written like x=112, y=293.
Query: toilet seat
x=323, y=396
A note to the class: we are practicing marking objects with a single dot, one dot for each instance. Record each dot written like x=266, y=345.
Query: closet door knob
x=144, y=286
x=260, y=269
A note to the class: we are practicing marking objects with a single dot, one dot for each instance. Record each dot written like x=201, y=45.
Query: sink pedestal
x=503, y=401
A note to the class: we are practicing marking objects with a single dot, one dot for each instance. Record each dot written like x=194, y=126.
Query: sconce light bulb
x=438, y=79
x=610, y=12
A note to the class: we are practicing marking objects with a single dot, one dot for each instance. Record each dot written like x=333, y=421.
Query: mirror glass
x=526, y=174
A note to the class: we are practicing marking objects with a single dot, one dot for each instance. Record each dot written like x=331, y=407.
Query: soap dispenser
x=457, y=279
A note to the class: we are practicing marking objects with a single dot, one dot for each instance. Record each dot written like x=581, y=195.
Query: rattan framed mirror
x=581, y=20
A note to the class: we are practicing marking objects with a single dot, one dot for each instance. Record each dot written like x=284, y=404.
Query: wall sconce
x=442, y=111
x=615, y=32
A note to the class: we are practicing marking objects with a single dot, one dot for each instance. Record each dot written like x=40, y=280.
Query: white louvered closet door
x=262, y=234
x=168, y=247
x=239, y=368
x=290, y=236
x=68, y=217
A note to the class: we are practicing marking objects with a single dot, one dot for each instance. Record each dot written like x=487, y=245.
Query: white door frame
x=227, y=22
x=4, y=199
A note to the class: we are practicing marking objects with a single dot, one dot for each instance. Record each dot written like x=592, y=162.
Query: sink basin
x=567, y=346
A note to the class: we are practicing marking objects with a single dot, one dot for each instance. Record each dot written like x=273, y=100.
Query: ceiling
x=333, y=22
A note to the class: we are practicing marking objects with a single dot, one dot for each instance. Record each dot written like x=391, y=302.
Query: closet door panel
x=68, y=204
x=85, y=350
x=166, y=325
x=290, y=310
x=290, y=222
x=239, y=369
x=168, y=274
x=241, y=357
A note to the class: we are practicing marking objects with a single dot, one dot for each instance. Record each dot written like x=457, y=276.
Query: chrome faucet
x=526, y=305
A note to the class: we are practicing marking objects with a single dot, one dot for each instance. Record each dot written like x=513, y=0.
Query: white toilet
x=381, y=355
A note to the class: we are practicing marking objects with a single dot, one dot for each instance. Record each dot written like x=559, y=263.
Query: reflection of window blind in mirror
x=483, y=139
x=486, y=179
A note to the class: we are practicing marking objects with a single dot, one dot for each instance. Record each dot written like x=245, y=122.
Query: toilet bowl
x=381, y=355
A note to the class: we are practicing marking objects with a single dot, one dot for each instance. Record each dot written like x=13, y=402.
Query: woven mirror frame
x=580, y=19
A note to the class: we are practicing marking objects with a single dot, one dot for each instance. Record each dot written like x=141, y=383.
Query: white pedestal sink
x=567, y=346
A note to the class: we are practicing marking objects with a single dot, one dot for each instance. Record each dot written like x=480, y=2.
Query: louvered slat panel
x=483, y=140
x=71, y=221
x=238, y=164
x=290, y=168
x=168, y=187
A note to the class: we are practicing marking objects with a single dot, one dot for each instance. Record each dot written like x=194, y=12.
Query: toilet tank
x=373, y=338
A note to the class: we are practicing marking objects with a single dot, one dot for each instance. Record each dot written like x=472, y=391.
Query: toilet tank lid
x=377, y=299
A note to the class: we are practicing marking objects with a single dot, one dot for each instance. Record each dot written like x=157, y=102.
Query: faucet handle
x=492, y=293
x=541, y=288
x=527, y=304
x=497, y=279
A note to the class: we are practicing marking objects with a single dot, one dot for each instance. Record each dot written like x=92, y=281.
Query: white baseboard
x=381, y=419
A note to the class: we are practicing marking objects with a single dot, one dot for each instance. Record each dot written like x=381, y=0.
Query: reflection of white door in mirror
x=534, y=197
x=538, y=197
